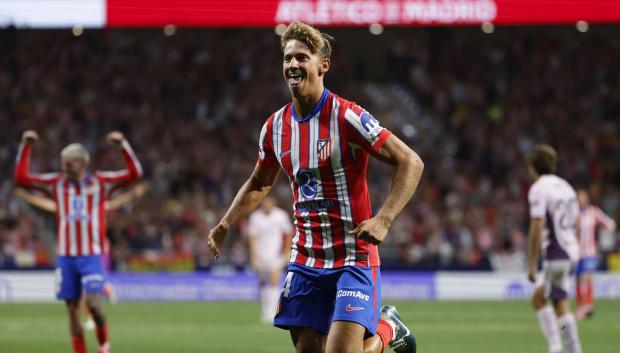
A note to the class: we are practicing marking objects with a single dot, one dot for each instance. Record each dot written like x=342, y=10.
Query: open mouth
x=294, y=79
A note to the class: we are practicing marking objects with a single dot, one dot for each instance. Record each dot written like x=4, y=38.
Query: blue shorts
x=586, y=265
x=315, y=298
x=77, y=273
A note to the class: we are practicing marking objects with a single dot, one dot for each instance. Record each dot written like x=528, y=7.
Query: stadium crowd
x=192, y=105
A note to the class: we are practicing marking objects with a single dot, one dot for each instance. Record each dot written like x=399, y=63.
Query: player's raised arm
x=133, y=170
x=246, y=200
x=23, y=177
x=408, y=168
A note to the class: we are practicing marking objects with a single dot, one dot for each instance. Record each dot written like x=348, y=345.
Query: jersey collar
x=317, y=108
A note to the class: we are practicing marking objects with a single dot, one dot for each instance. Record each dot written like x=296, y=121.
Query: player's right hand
x=217, y=235
x=531, y=275
x=29, y=137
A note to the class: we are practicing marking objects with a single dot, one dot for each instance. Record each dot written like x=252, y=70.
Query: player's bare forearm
x=534, y=246
x=247, y=199
x=408, y=168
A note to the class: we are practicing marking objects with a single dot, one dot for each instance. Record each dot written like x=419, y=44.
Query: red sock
x=589, y=293
x=385, y=332
x=79, y=345
x=580, y=294
x=102, y=335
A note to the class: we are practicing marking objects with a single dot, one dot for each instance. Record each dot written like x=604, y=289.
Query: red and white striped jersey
x=590, y=218
x=325, y=156
x=80, y=211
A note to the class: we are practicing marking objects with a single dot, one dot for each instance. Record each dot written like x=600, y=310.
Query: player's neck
x=304, y=104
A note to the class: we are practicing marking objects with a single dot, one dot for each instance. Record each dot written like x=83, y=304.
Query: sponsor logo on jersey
x=353, y=294
x=370, y=124
x=316, y=205
x=353, y=308
x=308, y=185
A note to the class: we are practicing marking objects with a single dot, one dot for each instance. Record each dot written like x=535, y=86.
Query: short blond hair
x=317, y=41
x=76, y=151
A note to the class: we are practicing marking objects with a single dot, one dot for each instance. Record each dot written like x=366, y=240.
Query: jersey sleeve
x=362, y=127
x=537, y=202
x=24, y=178
x=131, y=173
x=266, y=154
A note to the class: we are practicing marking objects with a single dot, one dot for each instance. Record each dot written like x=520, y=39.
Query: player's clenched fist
x=29, y=137
x=373, y=230
x=115, y=138
x=216, y=238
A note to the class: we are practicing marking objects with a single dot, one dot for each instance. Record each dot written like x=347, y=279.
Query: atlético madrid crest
x=324, y=148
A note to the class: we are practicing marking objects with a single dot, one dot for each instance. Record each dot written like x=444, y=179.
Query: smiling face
x=303, y=70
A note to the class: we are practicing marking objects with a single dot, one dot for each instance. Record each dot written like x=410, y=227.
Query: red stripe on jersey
x=65, y=196
x=103, y=240
x=78, y=223
x=90, y=208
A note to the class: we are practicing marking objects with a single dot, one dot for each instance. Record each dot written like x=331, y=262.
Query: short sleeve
x=537, y=202
x=365, y=129
x=266, y=156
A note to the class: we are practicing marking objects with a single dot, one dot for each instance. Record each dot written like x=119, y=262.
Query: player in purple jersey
x=331, y=297
x=554, y=217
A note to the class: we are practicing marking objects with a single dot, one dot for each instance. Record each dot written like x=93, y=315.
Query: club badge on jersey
x=324, y=149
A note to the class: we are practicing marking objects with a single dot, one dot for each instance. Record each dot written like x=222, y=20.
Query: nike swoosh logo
x=353, y=308
x=282, y=154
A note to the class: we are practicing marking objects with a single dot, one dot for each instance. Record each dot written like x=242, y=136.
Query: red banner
x=267, y=13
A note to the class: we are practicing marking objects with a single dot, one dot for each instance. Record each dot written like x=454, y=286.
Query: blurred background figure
x=269, y=232
x=591, y=219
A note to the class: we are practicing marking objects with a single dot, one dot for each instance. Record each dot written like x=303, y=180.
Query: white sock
x=273, y=293
x=549, y=326
x=568, y=326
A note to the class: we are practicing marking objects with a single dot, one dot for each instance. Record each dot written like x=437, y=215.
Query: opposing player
x=81, y=229
x=590, y=217
x=269, y=230
x=554, y=214
x=331, y=297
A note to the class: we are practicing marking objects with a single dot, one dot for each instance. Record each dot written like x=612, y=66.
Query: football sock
x=102, y=335
x=385, y=330
x=549, y=326
x=568, y=326
x=79, y=345
x=589, y=296
x=580, y=292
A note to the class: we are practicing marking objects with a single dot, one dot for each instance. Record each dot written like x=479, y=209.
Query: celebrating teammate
x=554, y=217
x=269, y=231
x=80, y=199
x=590, y=218
x=331, y=297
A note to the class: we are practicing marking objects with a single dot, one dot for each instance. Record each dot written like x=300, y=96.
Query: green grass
x=441, y=327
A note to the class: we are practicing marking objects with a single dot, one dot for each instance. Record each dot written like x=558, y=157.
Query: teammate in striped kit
x=590, y=217
x=331, y=297
x=80, y=199
x=554, y=214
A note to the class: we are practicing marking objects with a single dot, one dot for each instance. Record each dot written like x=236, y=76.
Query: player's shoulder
x=538, y=187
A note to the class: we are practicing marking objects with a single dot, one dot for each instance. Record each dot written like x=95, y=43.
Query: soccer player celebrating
x=80, y=199
x=590, y=218
x=269, y=230
x=331, y=297
x=554, y=217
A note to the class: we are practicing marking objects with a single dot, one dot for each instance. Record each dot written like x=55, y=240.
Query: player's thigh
x=358, y=297
x=92, y=276
x=67, y=279
x=555, y=279
x=345, y=337
x=307, y=340
x=304, y=302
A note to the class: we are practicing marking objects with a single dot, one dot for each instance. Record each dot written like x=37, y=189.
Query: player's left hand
x=373, y=230
x=216, y=239
x=115, y=138
x=531, y=275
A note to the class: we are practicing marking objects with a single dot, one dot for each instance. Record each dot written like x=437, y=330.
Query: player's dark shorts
x=314, y=298
x=586, y=265
x=77, y=273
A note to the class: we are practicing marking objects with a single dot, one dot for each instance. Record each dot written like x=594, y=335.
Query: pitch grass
x=441, y=327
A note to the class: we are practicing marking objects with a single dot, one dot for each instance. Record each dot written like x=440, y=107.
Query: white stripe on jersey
x=276, y=133
x=95, y=216
x=72, y=230
x=84, y=220
x=341, y=186
x=326, y=232
x=133, y=156
x=62, y=220
x=294, y=155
